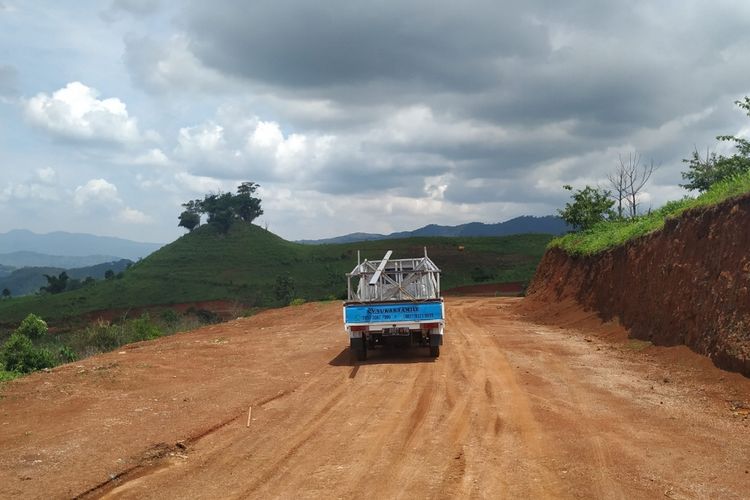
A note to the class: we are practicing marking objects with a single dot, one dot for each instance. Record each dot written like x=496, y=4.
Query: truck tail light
x=358, y=328
x=429, y=325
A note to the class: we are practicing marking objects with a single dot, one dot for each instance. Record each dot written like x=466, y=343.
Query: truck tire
x=362, y=349
x=434, y=351
x=362, y=353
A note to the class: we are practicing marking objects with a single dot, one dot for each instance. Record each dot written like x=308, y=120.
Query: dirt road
x=511, y=409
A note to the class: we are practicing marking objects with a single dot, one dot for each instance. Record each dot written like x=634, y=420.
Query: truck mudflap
x=436, y=340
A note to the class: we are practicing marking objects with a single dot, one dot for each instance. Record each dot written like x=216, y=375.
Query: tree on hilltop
x=222, y=209
x=191, y=217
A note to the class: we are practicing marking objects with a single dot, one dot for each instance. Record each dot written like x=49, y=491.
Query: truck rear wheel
x=434, y=351
x=362, y=350
x=362, y=353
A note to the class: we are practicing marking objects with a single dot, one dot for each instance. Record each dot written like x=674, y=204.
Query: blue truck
x=394, y=302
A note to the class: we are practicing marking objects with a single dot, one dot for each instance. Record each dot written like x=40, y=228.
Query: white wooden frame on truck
x=394, y=279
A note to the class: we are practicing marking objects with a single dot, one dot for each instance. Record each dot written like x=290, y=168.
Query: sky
x=352, y=116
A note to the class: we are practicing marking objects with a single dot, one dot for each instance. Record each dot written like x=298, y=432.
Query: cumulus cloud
x=389, y=115
x=76, y=112
x=41, y=187
x=46, y=175
x=503, y=102
x=168, y=66
x=135, y=8
x=96, y=192
x=133, y=216
x=104, y=197
x=239, y=146
x=153, y=157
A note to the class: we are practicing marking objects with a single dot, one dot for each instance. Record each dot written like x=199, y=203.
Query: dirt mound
x=687, y=284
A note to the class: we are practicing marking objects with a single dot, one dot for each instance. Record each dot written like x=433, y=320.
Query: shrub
x=32, y=327
x=169, y=317
x=142, y=329
x=20, y=355
x=297, y=302
x=204, y=315
x=103, y=336
x=66, y=355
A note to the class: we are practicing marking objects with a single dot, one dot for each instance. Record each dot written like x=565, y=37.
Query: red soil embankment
x=686, y=284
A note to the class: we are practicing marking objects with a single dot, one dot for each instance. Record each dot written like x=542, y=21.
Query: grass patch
x=611, y=234
x=6, y=375
x=638, y=345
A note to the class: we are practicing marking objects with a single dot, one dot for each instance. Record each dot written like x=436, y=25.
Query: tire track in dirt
x=509, y=410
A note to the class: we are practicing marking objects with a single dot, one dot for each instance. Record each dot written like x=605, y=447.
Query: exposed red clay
x=687, y=284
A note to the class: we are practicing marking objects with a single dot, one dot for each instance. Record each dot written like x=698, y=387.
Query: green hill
x=244, y=265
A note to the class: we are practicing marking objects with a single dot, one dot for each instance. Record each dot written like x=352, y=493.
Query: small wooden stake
x=249, y=414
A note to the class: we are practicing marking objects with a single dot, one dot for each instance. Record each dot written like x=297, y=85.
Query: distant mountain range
x=34, y=259
x=73, y=245
x=526, y=224
x=28, y=280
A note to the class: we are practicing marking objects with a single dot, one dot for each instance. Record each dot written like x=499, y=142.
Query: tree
x=589, y=206
x=6, y=293
x=627, y=181
x=222, y=209
x=284, y=288
x=191, y=217
x=109, y=274
x=703, y=172
x=56, y=284
x=247, y=206
x=189, y=220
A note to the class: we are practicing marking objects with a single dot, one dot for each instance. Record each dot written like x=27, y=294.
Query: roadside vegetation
x=32, y=347
x=606, y=218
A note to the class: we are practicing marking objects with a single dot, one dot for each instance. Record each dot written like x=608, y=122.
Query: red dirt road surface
x=272, y=406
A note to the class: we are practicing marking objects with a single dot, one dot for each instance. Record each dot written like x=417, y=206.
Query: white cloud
x=170, y=66
x=46, y=175
x=201, y=184
x=104, y=197
x=153, y=157
x=234, y=145
x=76, y=112
x=42, y=187
x=96, y=192
x=136, y=8
x=132, y=216
x=206, y=138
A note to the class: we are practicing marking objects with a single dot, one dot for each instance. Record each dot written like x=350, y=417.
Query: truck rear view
x=394, y=302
